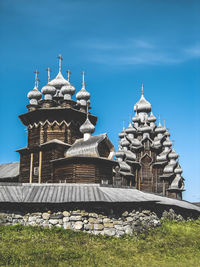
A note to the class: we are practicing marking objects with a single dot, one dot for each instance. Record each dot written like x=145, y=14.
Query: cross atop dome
x=49, y=71
x=83, y=75
x=68, y=74
x=142, y=86
x=36, y=78
x=60, y=60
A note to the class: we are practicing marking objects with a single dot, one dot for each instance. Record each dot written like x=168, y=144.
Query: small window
x=36, y=171
x=104, y=181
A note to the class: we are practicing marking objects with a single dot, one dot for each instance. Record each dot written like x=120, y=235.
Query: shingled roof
x=9, y=171
x=76, y=193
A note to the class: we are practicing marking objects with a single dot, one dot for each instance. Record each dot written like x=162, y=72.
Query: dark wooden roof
x=55, y=113
x=66, y=193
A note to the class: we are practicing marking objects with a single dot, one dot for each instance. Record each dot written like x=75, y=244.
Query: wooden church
x=146, y=159
x=61, y=148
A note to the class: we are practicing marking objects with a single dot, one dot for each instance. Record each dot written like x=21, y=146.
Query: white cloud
x=138, y=52
x=193, y=51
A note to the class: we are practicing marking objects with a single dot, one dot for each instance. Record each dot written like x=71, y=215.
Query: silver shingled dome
x=59, y=81
x=48, y=91
x=178, y=170
x=142, y=105
x=67, y=91
x=173, y=155
x=151, y=118
x=130, y=129
x=87, y=127
x=124, y=142
x=34, y=95
x=83, y=94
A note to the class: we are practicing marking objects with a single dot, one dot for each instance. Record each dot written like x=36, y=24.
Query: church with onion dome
x=146, y=157
x=62, y=147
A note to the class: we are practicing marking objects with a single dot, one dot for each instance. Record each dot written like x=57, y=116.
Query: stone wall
x=126, y=223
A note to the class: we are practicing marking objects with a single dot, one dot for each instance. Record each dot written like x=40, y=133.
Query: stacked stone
x=144, y=138
x=129, y=222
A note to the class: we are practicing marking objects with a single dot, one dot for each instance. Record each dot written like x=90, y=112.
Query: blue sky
x=119, y=44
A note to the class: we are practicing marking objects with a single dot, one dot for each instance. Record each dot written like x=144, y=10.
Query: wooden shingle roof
x=66, y=193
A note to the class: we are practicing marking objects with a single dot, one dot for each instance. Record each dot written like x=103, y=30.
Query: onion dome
x=87, y=127
x=167, y=142
x=34, y=95
x=142, y=105
x=151, y=118
x=124, y=142
x=173, y=155
x=48, y=92
x=160, y=129
x=145, y=128
x=67, y=91
x=130, y=129
x=136, y=118
x=178, y=170
x=83, y=96
x=59, y=81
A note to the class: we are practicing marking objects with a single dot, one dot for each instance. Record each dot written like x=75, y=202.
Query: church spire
x=142, y=87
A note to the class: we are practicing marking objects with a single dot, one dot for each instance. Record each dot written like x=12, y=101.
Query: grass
x=172, y=244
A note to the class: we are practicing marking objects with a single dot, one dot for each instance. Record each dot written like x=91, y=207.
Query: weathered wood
x=31, y=169
x=40, y=167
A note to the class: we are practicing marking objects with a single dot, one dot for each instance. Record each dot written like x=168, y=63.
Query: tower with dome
x=145, y=155
x=60, y=147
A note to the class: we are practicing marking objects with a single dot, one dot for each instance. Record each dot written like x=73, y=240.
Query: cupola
x=83, y=96
x=48, y=90
x=87, y=128
x=67, y=90
x=142, y=105
x=35, y=95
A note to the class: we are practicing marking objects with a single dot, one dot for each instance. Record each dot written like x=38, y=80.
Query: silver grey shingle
x=65, y=193
x=9, y=170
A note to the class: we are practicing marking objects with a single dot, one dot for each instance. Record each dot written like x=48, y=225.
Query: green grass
x=172, y=244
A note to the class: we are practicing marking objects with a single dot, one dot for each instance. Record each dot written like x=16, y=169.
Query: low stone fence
x=127, y=223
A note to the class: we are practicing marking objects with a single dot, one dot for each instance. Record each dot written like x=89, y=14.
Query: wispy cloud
x=193, y=51
x=139, y=52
